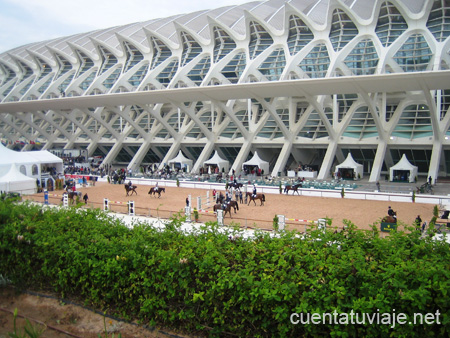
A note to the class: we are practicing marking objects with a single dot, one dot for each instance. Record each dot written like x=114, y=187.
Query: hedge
x=210, y=283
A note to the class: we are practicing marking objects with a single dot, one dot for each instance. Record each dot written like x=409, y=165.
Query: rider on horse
x=391, y=212
x=254, y=190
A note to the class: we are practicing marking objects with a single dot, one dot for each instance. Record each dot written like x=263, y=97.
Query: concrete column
x=204, y=156
x=433, y=169
x=327, y=161
x=378, y=162
x=112, y=154
x=282, y=158
x=139, y=156
x=241, y=157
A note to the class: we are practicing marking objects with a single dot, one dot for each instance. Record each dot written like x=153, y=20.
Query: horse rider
x=391, y=212
x=254, y=190
x=156, y=187
x=129, y=184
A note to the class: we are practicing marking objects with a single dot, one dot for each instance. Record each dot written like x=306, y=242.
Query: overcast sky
x=27, y=21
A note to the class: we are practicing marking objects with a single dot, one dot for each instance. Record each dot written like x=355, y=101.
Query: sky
x=28, y=21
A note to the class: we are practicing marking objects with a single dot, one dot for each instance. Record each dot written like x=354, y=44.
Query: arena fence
x=199, y=214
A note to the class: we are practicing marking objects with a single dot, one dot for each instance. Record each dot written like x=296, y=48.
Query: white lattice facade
x=299, y=81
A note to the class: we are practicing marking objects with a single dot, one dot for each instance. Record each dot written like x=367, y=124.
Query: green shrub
x=220, y=284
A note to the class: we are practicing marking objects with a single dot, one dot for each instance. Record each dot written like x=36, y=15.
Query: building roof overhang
x=385, y=83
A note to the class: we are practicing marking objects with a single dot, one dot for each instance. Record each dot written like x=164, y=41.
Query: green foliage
x=195, y=214
x=215, y=284
x=342, y=192
x=178, y=182
x=436, y=211
x=413, y=196
x=29, y=331
x=275, y=223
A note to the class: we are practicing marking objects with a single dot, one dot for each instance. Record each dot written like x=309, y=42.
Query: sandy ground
x=61, y=320
x=362, y=213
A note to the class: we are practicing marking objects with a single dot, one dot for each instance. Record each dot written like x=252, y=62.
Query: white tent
x=30, y=163
x=15, y=181
x=219, y=162
x=256, y=161
x=182, y=161
x=403, y=171
x=350, y=168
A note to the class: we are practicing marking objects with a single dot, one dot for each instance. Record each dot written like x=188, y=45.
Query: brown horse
x=130, y=188
x=225, y=209
x=294, y=188
x=389, y=219
x=260, y=197
x=73, y=196
x=153, y=191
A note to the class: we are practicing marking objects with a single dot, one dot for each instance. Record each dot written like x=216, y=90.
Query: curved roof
x=271, y=12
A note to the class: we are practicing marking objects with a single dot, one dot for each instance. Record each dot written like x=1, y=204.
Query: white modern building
x=298, y=81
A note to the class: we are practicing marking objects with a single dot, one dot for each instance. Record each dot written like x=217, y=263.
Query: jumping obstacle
x=131, y=208
x=281, y=222
x=65, y=200
x=199, y=201
x=187, y=213
x=219, y=217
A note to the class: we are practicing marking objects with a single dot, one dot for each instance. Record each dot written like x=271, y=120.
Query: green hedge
x=214, y=284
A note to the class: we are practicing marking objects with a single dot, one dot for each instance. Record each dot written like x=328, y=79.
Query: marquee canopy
x=350, y=165
x=15, y=181
x=258, y=162
x=30, y=163
x=219, y=162
x=181, y=160
x=403, y=167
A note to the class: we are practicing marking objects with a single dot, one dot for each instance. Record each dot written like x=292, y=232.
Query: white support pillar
x=327, y=161
x=282, y=158
x=433, y=169
x=207, y=150
x=378, y=162
x=139, y=156
x=241, y=157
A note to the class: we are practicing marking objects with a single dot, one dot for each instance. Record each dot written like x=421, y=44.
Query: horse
x=153, y=191
x=235, y=205
x=390, y=219
x=235, y=185
x=130, y=188
x=294, y=188
x=225, y=209
x=72, y=195
x=261, y=197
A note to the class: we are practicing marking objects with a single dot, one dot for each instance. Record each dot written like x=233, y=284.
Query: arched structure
x=299, y=81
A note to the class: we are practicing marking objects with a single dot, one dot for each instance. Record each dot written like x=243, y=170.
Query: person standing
x=85, y=198
x=418, y=222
